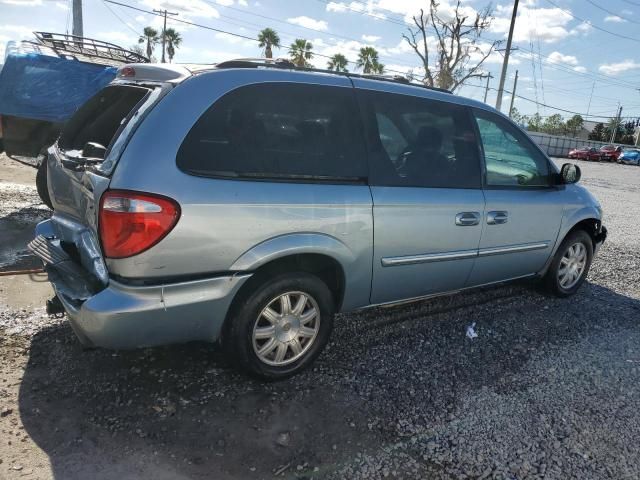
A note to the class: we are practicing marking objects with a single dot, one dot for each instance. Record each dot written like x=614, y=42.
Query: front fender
x=356, y=267
x=570, y=220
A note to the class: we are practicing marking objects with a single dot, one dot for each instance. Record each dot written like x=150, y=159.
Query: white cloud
x=584, y=28
x=233, y=40
x=370, y=38
x=614, y=18
x=187, y=8
x=580, y=69
x=118, y=37
x=341, y=7
x=243, y=3
x=62, y=5
x=211, y=56
x=619, y=67
x=557, y=57
x=23, y=3
x=308, y=22
x=547, y=24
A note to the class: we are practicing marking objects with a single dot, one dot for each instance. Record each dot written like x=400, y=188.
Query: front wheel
x=570, y=265
x=282, y=327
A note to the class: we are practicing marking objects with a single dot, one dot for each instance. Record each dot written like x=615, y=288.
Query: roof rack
x=288, y=64
x=88, y=49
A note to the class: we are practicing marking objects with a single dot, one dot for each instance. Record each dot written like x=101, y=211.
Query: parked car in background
x=43, y=82
x=250, y=220
x=630, y=156
x=610, y=153
x=585, y=153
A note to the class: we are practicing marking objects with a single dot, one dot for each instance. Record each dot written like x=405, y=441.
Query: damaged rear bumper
x=123, y=316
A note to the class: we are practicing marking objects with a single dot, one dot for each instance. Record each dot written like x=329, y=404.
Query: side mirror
x=570, y=173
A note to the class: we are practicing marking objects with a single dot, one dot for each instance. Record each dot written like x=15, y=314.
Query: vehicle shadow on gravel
x=183, y=412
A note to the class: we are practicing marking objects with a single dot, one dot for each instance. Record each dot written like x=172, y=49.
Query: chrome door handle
x=467, y=219
x=497, y=217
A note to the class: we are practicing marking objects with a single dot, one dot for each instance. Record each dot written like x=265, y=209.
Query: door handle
x=467, y=219
x=497, y=217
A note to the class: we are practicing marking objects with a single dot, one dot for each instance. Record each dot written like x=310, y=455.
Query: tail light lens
x=132, y=222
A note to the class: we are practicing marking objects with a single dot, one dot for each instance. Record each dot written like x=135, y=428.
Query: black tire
x=551, y=279
x=41, y=184
x=238, y=338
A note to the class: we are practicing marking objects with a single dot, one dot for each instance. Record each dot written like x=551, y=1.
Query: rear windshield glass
x=100, y=118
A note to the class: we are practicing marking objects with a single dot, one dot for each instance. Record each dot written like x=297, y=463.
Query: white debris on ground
x=23, y=201
x=26, y=323
x=471, y=331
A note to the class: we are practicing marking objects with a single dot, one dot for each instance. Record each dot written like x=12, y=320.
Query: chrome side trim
x=427, y=258
x=485, y=252
x=461, y=254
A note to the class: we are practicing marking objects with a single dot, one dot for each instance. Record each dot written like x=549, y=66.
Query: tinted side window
x=510, y=157
x=419, y=142
x=278, y=130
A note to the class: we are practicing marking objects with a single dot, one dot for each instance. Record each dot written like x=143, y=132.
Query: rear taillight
x=132, y=222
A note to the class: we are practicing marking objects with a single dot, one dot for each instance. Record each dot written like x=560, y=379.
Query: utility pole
x=486, y=89
x=615, y=125
x=505, y=64
x=77, y=18
x=164, y=28
x=590, y=97
x=513, y=93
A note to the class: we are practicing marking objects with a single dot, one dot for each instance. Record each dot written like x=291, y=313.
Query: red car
x=610, y=153
x=586, y=153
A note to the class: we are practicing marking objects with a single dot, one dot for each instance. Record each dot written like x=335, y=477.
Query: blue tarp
x=42, y=86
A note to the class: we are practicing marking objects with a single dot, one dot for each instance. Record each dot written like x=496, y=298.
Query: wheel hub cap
x=572, y=265
x=286, y=328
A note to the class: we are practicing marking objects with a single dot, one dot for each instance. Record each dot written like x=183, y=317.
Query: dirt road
x=549, y=389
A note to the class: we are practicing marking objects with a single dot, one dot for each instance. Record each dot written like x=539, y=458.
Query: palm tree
x=378, y=68
x=267, y=39
x=367, y=59
x=173, y=39
x=338, y=62
x=300, y=52
x=149, y=35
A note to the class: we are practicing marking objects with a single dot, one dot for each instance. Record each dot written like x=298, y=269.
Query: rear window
x=101, y=117
x=278, y=131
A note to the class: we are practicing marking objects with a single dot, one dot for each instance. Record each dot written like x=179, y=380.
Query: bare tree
x=457, y=40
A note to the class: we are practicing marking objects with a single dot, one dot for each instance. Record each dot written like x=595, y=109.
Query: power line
x=588, y=74
x=610, y=12
x=207, y=27
x=321, y=32
x=545, y=105
x=568, y=12
x=120, y=18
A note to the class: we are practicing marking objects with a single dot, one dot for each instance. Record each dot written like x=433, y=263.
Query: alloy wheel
x=286, y=328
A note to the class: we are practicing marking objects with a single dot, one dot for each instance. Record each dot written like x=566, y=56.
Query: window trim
x=368, y=113
x=286, y=178
x=485, y=185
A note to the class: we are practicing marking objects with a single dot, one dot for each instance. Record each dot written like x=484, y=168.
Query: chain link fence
x=558, y=146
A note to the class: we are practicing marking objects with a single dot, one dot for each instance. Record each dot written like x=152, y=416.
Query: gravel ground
x=548, y=389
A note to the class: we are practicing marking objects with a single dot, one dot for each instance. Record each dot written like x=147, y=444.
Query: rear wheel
x=570, y=265
x=41, y=184
x=282, y=327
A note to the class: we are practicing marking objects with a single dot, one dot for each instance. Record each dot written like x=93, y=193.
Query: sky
x=575, y=55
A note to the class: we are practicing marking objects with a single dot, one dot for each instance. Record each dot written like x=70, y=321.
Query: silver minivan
x=250, y=201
